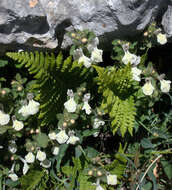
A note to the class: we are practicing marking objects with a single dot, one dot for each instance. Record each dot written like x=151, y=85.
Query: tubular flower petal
x=162, y=38
x=148, y=88
x=165, y=85
x=70, y=105
x=4, y=118
x=18, y=125
x=61, y=137
x=85, y=60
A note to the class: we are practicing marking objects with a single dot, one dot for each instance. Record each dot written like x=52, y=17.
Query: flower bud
x=99, y=173
x=31, y=131
x=3, y=92
x=19, y=88
x=72, y=121
x=37, y=131
x=90, y=172
x=64, y=124
x=73, y=35
x=145, y=34
x=84, y=40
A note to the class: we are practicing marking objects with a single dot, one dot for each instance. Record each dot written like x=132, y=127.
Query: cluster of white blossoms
x=71, y=105
x=162, y=38
x=29, y=159
x=61, y=137
x=133, y=60
x=148, y=88
x=30, y=109
x=96, y=54
x=111, y=180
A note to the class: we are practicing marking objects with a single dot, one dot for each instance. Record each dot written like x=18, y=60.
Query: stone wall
x=43, y=23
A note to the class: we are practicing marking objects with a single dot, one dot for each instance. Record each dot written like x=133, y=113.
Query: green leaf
x=31, y=180
x=146, y=143
x=91, y=152
x=167, y=166
x=61, y=154
x=3, y=63
x=3, y=129
x=42, y=140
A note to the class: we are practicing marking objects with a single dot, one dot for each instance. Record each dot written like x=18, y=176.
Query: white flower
x=55, y=150
x=96, y=55
x=13, y=176
x=70, y=105
x=162, y=38
x=96, y=134
x=33, y=107
x=148, y=88
x=99, y=187
x=61, y=137
x=94, y=43
x=98, y=123
x=25, y=168
x=12, y=148
x=165, y=85
x=30, y=157
x=52, y=135
x=87, y=108
x=46, y=163
x=136, y=73
x=87, y=61
x=41, y=156
x=18, y=125
x=24, y=111
x=4, y=118
x=72, y=139
x=130, y=58
x=111, y=179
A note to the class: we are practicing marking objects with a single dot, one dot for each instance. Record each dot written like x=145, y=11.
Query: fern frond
x=54, y=76
x=118, y=102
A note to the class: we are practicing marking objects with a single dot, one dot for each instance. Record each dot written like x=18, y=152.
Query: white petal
x=70, y=105
x=111, y=179
x=61, y=137
x=41, y=156
x=87, y=108
x=25, y=168
x=85, y=60
x=4, y=118
x=165, y=85
x=96, y=55
x=148, y=88
x=162, y=38
x=13, y=176
x=18, y=125
x=72, y=140
x=33, y=107
x=30, y=157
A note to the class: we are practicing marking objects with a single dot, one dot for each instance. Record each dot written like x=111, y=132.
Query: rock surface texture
x=43, y=23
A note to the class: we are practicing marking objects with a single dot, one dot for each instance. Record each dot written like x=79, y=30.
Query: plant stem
x=147, y=171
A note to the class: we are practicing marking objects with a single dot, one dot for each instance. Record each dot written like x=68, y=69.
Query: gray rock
x=167, y=21
x=44, y=23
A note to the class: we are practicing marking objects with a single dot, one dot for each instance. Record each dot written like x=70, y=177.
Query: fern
x=118, y=166
x=32, y=180
x=118, y=102
x=54, y=76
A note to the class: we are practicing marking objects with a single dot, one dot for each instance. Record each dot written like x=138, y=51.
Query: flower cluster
x=96, y=54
